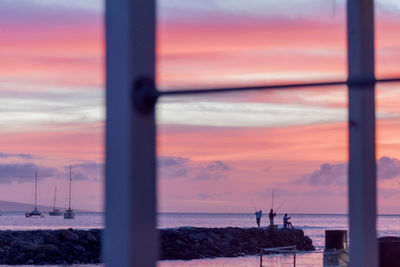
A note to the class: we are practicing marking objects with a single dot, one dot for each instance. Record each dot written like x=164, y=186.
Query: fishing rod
x=255, y=210
x=296, y=209
x=291, y=214
x=254, y=207
x=272, y=201
x=283, y=202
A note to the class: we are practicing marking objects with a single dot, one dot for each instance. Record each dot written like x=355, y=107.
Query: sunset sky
x=216, y=153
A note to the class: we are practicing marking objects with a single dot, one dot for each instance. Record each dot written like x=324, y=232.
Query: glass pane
x=224, y=156
x=52, y=106
x=216, y=43
x=387, y=21
x=388, y=158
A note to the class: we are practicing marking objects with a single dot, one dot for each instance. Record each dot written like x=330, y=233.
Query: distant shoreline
x=252, y=213
x=46, y=212
x=200, y=213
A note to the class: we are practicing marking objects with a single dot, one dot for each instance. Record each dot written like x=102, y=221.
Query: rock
x=91, y=238
x=61, y=262
x=79, y=249
x=195, y=243
x=37, y=240
x=30, y=262
x=197, y=235
x=21, y=259
x=69, y=246
x=50, y=238
x=389, y=251
x=40, y=257
x=50, y=247
x=68, y=235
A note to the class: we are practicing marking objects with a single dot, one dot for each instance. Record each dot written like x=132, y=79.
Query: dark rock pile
x=195, y=243
x=389, y=251
x=50, y=247
x=70, y=246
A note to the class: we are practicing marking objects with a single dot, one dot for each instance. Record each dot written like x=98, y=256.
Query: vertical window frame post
x=130, y=234
x=362, y=158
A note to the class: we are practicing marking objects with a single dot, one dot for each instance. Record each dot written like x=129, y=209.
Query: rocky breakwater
x=50, y=247
x=389, y=251
x=188, y=243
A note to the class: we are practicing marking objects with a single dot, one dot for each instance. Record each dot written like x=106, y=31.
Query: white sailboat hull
x=34, y=214
x=69, y=214
x=55, y=213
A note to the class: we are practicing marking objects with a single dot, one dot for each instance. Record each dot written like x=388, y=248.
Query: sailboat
x=55, y=212
x=35, y=212
x=69, y=214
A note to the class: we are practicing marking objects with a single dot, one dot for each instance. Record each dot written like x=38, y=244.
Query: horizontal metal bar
x=249, y=88
x=271, y=87
x=283, y=249
x=389, y=80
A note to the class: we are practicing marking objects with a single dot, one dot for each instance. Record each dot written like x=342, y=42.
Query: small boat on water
x=35, y=213
x=69, y=213
x=55, y=212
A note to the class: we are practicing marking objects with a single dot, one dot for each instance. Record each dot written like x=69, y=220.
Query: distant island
x=8, y=206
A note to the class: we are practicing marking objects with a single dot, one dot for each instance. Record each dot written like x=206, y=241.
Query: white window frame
x=131, y=236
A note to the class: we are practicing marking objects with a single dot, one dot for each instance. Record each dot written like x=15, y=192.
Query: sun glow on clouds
x=225, y=114
x=271, y=140
x=235, y=147
x=229, y=42
x=48, y=109
x=285, y=109
x=51, y=96
x=237, y=41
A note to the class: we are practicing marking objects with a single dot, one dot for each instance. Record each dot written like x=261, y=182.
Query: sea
x=313, y=225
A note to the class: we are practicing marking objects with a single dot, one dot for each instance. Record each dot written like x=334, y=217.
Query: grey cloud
x=214, y=171
x=336, y=174
x=203, y=196
x=24, y=172
x=326, y=174
x=217, y=166
x=172, y=167
x=388, y=193
x=291, y=195
x=18, y=155
x=92, y=171
x=267, y=169
x=165, y=161
x=267, y=192
x=388, y=168
x=204, y=175
x=177, y=167
x=213, y=196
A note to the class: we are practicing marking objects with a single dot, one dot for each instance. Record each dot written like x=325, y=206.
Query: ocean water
x=83, y=220
x=313, y=225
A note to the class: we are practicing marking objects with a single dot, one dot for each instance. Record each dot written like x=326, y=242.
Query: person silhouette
x=258, y=217
x=271, y=216
x=286, y=223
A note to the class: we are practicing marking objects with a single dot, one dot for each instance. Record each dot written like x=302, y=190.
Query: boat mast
x=36, y=190
x=55, y=193
x=70, y=180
